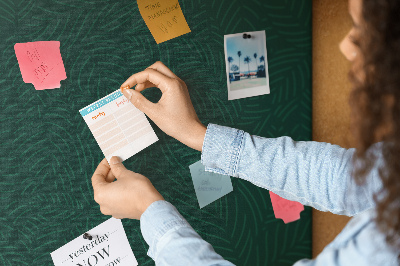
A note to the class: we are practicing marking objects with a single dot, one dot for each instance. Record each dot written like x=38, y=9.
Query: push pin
x=246, y=36
x=88, y=236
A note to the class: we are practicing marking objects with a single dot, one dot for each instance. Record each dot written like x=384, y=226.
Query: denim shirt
x=312, y=173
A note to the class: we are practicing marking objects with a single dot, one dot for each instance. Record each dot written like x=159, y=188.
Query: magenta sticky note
x=41, y=63
x=288, y=211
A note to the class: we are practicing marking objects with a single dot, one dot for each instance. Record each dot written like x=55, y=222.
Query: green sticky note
x=209, y=186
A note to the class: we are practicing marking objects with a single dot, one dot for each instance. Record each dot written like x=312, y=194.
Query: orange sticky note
x=288, y=211
x=41, y=64
x=164, y=18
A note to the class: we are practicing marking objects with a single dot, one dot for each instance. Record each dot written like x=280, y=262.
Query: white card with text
x=118, y=126
x=108, y=247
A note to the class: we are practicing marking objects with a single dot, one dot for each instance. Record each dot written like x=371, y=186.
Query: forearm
x=172, y=241
x=312, y=173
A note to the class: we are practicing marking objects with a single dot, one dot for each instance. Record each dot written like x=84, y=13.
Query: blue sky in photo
x=248, y=47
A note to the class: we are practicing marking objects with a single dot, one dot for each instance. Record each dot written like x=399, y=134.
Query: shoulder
x=361, y=241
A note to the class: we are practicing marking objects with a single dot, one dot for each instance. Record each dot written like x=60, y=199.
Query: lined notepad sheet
x=118, y=126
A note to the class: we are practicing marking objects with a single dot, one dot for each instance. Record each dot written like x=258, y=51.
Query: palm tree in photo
x=255, y=58
x=230, y=60
x=234, y=68
x=262, y=59
x=239, y=54
x=247, y=60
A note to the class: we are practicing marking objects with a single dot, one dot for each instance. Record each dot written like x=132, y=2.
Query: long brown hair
x=375, y=103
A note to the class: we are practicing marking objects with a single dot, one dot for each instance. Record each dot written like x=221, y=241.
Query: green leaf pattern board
x=48, y=154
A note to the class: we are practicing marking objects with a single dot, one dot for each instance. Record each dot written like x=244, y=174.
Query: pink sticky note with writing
x=41, y=64
x=288, y=211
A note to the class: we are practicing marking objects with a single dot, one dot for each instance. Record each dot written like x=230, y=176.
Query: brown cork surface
x=331, y=88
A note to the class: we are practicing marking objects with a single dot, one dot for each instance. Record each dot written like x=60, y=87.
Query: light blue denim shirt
x=312, y=173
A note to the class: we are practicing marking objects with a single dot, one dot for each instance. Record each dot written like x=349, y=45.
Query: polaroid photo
x=246, y=64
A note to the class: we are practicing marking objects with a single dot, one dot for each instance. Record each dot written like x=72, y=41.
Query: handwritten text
x=121, y=102
x=100, y=114
x=164, y=11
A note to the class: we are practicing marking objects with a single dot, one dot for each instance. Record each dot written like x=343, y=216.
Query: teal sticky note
x=209, y=186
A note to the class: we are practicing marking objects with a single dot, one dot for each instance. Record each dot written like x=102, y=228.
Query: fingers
x=110, y=177
x=104, y=210
x=139, y=101
x=156, y=75
x=160, y=80
x=100, y=174
x=117, y=167
x=160, y=67
x=143, y=86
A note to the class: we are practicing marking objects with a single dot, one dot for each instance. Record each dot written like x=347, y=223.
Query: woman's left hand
x=128, y=197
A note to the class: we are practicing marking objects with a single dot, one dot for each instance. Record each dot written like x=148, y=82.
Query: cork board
x=331, y=89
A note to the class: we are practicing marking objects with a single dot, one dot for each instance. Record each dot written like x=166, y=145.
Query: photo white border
x=248, y=92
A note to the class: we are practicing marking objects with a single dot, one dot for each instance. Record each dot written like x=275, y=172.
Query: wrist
x=196, y=136
x=148, y=203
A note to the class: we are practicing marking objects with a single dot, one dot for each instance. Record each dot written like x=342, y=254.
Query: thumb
x=117, y=167
x=138, y=100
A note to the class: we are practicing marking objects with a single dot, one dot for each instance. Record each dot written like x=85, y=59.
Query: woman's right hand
x=173, y=113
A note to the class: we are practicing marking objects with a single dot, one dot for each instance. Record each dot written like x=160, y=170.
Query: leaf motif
x=49, y=155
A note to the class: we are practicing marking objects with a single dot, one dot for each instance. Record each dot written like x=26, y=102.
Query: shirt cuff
x=159, y=218
x=221, y=150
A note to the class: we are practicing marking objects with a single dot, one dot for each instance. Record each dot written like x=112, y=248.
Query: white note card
x=109, y=247
x=118, y=126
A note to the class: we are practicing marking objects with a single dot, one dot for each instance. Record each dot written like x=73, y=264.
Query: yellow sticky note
x=164, y=18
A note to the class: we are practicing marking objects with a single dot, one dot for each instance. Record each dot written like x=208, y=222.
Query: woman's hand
x=174, y=113
x=127, y=197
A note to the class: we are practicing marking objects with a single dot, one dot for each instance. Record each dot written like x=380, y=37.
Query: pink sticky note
x=288, y=211
x=41, y=64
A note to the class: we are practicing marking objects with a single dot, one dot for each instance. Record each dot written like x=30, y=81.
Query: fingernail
x=115, y=160
x=125, y=87
x=127, y=93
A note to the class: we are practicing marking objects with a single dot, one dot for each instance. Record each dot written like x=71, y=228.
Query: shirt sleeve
x=312, y=173
x=172, y=241
x=360, y=243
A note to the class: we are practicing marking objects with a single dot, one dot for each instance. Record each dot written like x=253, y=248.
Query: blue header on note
x=100, y=103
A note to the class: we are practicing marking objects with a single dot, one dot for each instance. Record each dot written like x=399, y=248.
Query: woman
x=316, y=174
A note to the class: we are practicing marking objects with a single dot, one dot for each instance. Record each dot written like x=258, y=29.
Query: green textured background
x=48, y=154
